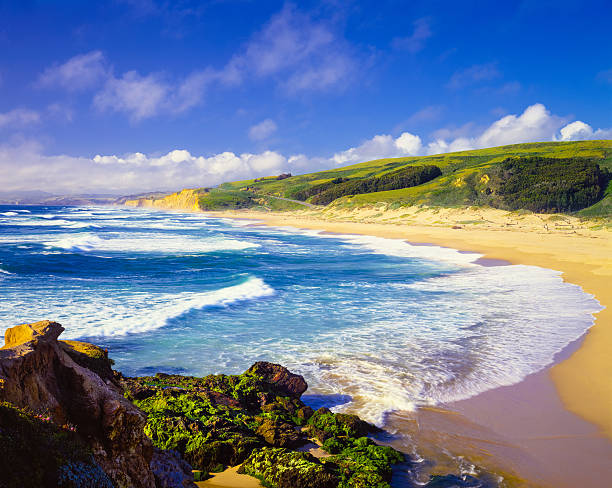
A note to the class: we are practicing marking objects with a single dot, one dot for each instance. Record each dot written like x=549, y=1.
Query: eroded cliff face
x=186, y=200
x=53, y=379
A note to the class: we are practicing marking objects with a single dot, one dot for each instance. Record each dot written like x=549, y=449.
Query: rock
x=37, y=373
x=44, y=330
x=281, y=468
x=280, y=434
x=324, y=424
x=26, y=444
x=90, y=357
x=170, y=470
x=280, y=378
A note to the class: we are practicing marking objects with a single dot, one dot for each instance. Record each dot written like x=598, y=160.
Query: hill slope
x=569, y=177
x=460, y=184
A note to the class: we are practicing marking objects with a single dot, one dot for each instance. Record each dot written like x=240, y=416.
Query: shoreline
x=554, y=427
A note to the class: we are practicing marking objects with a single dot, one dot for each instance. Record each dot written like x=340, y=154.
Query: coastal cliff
x=185, y=200
x=65, y=422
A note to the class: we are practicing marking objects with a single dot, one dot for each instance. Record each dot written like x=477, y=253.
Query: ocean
x=373, y=324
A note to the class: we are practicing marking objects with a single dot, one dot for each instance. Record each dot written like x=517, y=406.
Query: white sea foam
x=3, y=271
x=9, y=214
x=34, y=222
x=128, y=313
x=456, y=336
x=432, y=341
x=394, y=247
x=88, y=242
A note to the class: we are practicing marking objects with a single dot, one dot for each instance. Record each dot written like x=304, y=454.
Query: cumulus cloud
x=263, y=130
x=579, y=131
x=19, y=117
x=78, y=73
x=536, y=123
x=380, y=146
x=415, y=42
x=24, y=166
x=129, y=173
x=473, y=75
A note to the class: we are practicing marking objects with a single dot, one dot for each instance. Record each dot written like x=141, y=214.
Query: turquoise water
x=379, y=323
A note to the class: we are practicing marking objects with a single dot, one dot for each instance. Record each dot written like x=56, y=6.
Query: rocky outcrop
x=54, y=380
x=186, y=200
x=257, y=418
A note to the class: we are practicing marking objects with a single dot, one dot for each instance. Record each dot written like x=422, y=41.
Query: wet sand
x=230, y=479
x=553, y=428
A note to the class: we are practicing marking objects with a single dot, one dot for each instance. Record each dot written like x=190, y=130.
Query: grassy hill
x=465, y=177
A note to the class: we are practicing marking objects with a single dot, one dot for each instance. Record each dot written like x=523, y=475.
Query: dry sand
x=530, y=428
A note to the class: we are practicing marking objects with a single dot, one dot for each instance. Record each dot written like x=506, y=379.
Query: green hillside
x=478, y=177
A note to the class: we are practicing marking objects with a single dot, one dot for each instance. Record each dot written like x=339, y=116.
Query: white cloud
x=579, y=131
x=302, y=53
x=536, y=123
x=78, y=73
x=474, y=74
x=416, y=41
x=380, y=146
x=263, y=130
x=142, y=97
x=19, y=117
x=24, y=166
x=299, y=52
x=139, y=96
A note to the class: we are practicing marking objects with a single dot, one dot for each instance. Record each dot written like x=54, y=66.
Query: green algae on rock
x=279, y=468
x=256, y=418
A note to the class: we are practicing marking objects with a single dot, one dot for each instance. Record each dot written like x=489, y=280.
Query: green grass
x=461, y=176
x=458, y=186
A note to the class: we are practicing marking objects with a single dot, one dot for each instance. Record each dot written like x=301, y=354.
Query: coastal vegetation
x=577, y=174
x=402, y=178
x=38, y=452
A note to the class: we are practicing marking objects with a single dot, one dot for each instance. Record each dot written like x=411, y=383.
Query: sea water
x=373, y=324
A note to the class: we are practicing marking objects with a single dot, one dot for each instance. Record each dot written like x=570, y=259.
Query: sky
x=126, y=96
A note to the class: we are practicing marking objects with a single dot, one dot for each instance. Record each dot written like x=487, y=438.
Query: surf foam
x=147, y=244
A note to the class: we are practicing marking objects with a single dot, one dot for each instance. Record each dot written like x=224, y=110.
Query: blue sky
x=131, y=95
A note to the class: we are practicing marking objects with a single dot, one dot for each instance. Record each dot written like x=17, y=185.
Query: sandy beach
x=555, y=427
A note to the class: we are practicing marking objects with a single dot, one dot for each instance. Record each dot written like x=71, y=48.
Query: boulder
x=280, y=378
x=44, y=330
x=280, y=434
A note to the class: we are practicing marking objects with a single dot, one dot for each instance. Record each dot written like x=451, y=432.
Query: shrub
x=546, y=184
x=402, y=178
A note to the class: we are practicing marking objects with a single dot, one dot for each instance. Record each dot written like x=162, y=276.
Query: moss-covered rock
x=36, y=452
x=324, y=424
x=361, y=463
x=89, y=356
x=282, y=468
x=218, y=420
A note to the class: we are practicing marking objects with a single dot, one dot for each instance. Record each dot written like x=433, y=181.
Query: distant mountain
x=36, y=197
